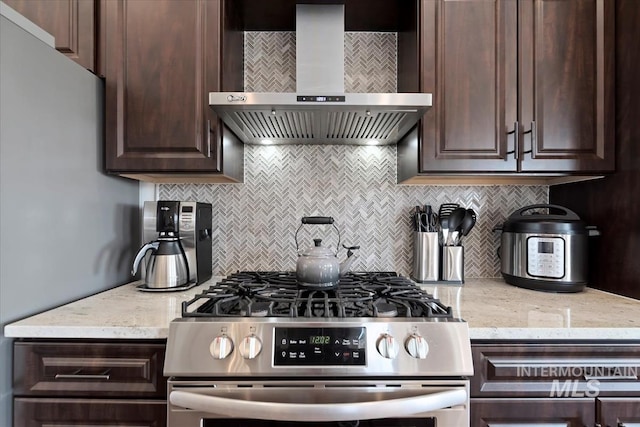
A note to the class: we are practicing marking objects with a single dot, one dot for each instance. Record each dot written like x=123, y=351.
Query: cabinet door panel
x=71, y=22
x=89, y=412
x=469, y=50
x=161, y=60
x=532, y=412
x=566, y=87
x=619, y=411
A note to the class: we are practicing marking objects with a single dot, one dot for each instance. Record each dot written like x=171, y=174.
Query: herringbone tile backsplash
x=254, y=223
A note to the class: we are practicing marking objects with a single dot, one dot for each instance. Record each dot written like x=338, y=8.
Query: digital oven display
x=320, y=346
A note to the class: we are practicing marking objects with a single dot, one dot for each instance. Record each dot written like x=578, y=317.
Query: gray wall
x=67, y=230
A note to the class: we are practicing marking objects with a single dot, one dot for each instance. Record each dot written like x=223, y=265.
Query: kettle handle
x=141, y=253
x=317, y=220
x=568, y=213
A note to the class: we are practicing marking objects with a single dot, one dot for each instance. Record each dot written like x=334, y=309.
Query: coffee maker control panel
x=187, y=218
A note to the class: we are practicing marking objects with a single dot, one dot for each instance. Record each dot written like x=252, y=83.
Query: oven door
x=319, y=403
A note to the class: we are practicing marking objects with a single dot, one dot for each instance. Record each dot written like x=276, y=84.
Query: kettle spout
x=345, y=266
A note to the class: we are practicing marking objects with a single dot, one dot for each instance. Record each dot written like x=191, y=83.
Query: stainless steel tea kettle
x=318, y=267
x=167, y=266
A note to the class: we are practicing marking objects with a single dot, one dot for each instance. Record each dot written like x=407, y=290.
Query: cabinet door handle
x=78, y=375
x=82, y=377
x=534, y=137
x=610, y=377
x=208, y=138
x=515, y=142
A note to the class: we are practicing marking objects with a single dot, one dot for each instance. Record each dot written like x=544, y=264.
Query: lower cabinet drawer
x=532, y=412
x=41, y=412
x=102, y=369
x=555, y=370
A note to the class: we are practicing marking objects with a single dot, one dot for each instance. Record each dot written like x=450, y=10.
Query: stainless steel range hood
x=320, y=112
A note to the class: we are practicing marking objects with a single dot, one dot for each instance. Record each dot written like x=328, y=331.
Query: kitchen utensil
x=468, y=222
x=454, y=223
x=545, y=251
x=417, y=226
x=443, y=217
x=318, y=267
x=429, y=222
x=424, y=219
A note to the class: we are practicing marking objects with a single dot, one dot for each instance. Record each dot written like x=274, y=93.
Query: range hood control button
x=221, y=347
x=236, y=98
x=250, y=347
x=387, y=346
x=417, y=347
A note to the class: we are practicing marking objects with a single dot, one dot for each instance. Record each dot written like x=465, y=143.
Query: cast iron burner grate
x=277, y=294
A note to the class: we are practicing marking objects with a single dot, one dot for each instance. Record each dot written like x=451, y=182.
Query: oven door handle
x=301, y=412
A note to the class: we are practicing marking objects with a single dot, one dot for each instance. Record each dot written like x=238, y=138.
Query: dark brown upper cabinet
x=519, y=86
x=71, y=22
x=161, y=58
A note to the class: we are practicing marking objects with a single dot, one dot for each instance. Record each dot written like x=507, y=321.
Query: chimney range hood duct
x=320, y=112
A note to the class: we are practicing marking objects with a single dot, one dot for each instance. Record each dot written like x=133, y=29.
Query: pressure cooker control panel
x=546, y=257
x=320, y=346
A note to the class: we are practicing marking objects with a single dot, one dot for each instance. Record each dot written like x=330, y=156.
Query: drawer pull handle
x=610, y=377
x=78, y=376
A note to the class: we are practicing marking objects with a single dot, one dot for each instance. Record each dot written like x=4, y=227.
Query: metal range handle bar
x=318, y=412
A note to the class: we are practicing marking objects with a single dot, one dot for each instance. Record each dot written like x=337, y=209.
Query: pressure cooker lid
x=558, y=220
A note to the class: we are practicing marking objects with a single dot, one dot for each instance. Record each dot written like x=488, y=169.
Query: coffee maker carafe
x=178, y=236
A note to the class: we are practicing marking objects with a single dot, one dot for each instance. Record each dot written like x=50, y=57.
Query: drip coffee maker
x=178, y=236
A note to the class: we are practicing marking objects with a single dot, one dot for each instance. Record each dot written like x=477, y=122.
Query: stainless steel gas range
x=255, y=349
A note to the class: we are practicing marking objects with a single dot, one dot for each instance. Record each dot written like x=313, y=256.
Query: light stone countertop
x=119, y=313
x=493, y=309
x=498, y=311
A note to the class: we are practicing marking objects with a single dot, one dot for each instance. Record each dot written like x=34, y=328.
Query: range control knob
x=417, y=346
x=250, y=347
x=221, y=347
x=387, y=346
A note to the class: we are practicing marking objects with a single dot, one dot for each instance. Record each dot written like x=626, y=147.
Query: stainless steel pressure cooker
x=545, y=251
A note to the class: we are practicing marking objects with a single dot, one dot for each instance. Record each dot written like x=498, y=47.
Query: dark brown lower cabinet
x=555, y=384
x=41, y=412
x=89, y=383
x=616, y=412
x=532, y=412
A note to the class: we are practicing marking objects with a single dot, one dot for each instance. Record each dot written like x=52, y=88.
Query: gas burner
x=277, y=294
x=384, y=309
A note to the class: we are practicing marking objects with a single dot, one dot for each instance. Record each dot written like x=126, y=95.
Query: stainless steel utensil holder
x=453, y=264
x=426, y=257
